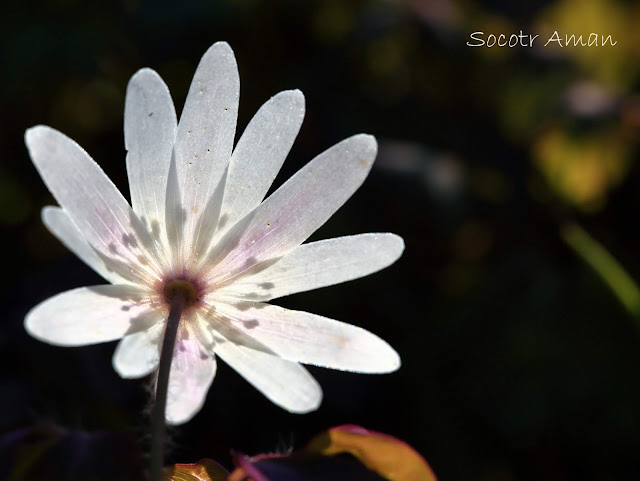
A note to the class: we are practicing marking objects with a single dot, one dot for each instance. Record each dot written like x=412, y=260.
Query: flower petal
x=138, y=354
x=307, y=338
x=260, y=153
x=94, y=204
x=150, y=126
x=293, y=212
x=192, y=372
x=285, y=383
x=205, y=139
x=89, y=315
x=61, y=226
x=318, y=264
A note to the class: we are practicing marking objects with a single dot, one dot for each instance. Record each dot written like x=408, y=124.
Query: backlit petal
x=318, y=264
x=307, y=338
x=138, y=354
x=260, y=152
x=204, y=142
x=285, y=383
x=149, y=131
x=292, y=213
x=61, y=225
x=192, y=372
x=90, y=315
x=94, y=204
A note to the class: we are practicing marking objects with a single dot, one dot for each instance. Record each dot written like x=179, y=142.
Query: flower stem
x=158, y=426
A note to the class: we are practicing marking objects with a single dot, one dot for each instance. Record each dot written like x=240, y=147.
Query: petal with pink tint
x=304, y=337
x=293, y=212
x=61, y=226
x=94, y=204
x=192, y=372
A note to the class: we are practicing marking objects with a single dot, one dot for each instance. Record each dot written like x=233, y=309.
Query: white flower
x=198, y=224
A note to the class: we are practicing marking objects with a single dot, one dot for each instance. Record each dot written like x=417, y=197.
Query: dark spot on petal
x=251, y=324
x=129, y=240
x=155, y=229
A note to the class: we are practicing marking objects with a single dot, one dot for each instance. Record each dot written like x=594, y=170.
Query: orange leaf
x=389, y=457
x=203, y=470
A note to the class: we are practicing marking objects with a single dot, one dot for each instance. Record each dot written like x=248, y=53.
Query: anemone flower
x=198, y=230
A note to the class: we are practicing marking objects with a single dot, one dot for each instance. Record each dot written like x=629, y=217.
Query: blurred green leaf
x=605, y=265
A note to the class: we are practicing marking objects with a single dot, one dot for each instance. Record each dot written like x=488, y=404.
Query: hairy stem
x=158, y=426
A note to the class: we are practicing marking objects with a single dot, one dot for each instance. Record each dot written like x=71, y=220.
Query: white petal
x=205, y=139
x=207, y=222
x=285, y=383
x=149, y=131
x=318, y=264
x=138, y=354
x=292, y=213
x=61, y=226
x=260, y=152
x=174, y=217
x=306, y=338
x=94, y=204
x=192, y=372
x=89, y=315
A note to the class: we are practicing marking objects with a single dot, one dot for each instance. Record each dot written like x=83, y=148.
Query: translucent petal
x=149, y=131
x=138, y=354
x=94, y=204
x=306, y=338
x=285, y=383
x=318, y=264
x=90, y=315
x=61, y=226
x=205, y=139
x=292, y=213
x=192, y=372
x=260, y=153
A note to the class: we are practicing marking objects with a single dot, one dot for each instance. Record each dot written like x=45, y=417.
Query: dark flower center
x=185, y=288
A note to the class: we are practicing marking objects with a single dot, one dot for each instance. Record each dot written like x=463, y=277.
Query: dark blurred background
x=511, y=173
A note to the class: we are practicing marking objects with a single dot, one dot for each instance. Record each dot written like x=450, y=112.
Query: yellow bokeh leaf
x=582, y=169
x=613, y=65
